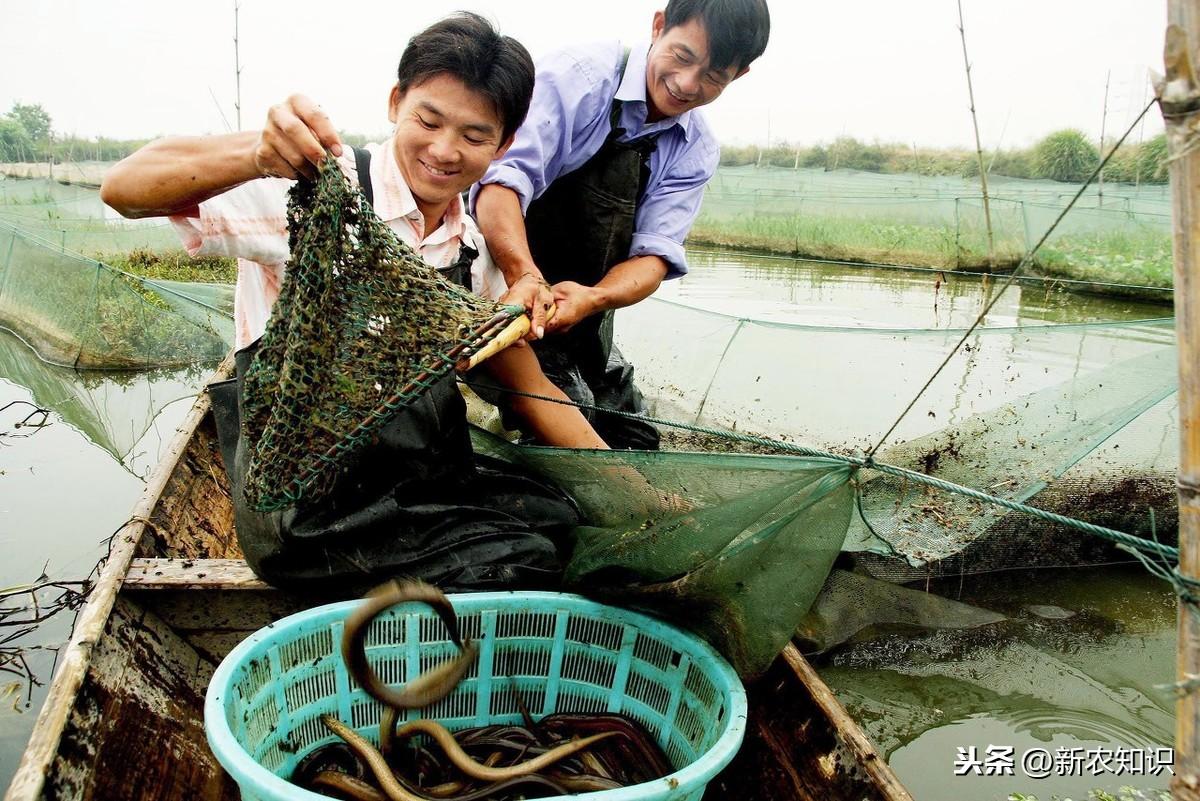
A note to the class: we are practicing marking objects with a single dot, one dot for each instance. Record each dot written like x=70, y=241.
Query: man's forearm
x=173, y=175
x=498, y=209
x=629, y=282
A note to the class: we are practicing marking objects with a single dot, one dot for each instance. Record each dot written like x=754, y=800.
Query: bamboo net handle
x=511, y=333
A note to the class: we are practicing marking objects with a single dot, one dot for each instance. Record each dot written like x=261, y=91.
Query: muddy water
x=821, y=294
x=1079, y=661
x=64, y=488
x=1079, y=664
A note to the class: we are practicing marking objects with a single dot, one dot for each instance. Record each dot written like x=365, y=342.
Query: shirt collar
x=632, y=89
x=396, y=200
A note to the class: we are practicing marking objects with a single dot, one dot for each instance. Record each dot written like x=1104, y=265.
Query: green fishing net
x=1079, y=419
x=75, y=311
x=734, y=547
x=361, y=329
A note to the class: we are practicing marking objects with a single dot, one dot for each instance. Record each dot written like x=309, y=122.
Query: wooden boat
x=123, y=717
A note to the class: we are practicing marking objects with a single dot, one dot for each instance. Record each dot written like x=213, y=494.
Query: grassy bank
x=1141, y=258
x=173, y=265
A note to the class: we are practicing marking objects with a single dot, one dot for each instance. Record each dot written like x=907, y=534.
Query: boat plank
x=133, y=732
x=194, y=516
x=152, y=573
x=135, y=669
x=801, y=744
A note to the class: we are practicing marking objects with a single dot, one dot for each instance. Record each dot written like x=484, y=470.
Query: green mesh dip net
x=363, y=326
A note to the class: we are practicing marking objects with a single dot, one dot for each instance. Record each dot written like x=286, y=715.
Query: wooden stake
x=237, y=67
x=1179, y=96
x=987, y=209
x=1103, y=122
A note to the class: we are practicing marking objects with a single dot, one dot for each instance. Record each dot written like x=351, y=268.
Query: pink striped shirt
x=249, y=222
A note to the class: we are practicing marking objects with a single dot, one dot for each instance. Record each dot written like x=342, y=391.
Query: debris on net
x=361, y=329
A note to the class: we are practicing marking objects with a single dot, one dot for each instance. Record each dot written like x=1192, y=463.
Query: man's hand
x=575, y=302
x=532, y=292
x=294, y=140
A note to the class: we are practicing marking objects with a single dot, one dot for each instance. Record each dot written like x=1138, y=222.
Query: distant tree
x=1065, y=156
x=34, y=119
x=1013, y=163
x=847, y=153
x=734, y=156
x=15, y=144
x=815, y=156
x=1124, y=165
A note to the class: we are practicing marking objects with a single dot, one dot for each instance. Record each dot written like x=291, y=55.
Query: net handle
x=514, y=331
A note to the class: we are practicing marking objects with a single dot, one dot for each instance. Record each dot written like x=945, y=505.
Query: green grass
x=1124, y=257
x=830, y=238
x=1118, y=257
x=173, y=265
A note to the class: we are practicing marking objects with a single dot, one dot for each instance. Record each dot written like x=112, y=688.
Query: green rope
x=860, y=462
x=1186, y=588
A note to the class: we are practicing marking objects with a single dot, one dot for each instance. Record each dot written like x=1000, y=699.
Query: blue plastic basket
x=561, y=652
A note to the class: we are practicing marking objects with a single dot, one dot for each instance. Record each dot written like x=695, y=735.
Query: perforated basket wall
x=561, y=652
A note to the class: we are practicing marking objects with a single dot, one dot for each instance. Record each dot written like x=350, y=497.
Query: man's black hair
x=469, y=48
x=737, y=29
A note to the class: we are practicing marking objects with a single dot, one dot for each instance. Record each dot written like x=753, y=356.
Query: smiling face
x=446, y=136
x=678, y=74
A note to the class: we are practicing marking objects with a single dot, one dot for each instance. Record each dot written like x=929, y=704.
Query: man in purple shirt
x=589, y=208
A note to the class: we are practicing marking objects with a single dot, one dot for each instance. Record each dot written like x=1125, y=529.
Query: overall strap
x=362, y=163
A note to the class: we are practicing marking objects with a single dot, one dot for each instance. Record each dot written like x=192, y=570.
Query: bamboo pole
x=237, y=67
x=1179, y=96
x=987, y=210
x=1103, y=124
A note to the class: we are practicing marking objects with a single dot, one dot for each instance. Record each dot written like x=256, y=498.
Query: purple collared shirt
x=568, y=122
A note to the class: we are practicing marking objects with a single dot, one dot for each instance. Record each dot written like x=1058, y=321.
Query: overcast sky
x=873, y=69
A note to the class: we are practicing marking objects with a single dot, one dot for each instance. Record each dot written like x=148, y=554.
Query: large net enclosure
x=59, y=295
x=1080, y=419
x=736, y=538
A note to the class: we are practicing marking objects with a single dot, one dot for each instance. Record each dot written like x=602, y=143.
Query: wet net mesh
x=76, y=311
x=732, y=546
x=362, y=328
x=60, y=295
x=1079, y=419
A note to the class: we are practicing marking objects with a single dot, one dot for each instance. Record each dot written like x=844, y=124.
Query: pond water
x=1084, y=679
x=64, y=488
x=1083, y=669
x=1079, y=664
x=782, y=290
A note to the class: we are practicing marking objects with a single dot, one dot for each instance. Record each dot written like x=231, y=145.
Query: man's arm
x=174, y=175
x=503, y=227
x=623, y=285
x=558, y=424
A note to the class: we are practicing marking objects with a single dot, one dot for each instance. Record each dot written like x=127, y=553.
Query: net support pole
x=1179, y=96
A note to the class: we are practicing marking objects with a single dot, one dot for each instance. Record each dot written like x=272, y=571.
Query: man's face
x=446, y=136
x=678, y=75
